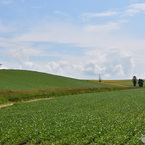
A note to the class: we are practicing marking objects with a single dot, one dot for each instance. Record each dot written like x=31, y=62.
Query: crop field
x=113, y=81
x=129, y=83
x=119, y=83
x=105, y=118
x=30, y=80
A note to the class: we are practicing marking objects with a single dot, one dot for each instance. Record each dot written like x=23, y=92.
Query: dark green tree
x=134, y=80
x=140, y=82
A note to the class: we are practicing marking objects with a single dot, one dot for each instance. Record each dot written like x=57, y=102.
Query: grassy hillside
x=28, y=80
x=99, y=118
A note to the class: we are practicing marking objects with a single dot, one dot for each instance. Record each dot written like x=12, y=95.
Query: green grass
x=115, y=117
x=29, y=80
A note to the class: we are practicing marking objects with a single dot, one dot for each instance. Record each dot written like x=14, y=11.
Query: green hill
x=29, y=80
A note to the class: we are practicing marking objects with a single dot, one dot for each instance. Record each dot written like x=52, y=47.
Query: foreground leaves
x=98, y=118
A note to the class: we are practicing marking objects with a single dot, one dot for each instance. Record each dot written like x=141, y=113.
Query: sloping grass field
x=30, y=80
x=116, y=117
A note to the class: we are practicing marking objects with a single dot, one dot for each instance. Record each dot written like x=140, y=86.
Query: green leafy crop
x=98, y=118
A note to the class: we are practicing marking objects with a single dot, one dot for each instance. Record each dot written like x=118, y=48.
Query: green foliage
x=29, y=80
x=115, y=117
x=19, y=96
x=4, y=100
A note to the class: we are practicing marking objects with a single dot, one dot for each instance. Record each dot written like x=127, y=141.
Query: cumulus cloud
x=111, y=63
x=18, y=55
x=89, y=15
x=114, y=62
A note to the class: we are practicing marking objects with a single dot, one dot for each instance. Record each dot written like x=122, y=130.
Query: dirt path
x=37, y=100
x=24, y=102
x=6, y=105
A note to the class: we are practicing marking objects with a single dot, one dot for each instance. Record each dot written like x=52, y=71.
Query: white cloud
x=83, y=36
x=21, y=53
x=91, y=36
x=86, y=16
x=138, y=6
x=110, y=64
x=18, y=55
x=102, y=28
x=118, y=70
x=114, y=61
x=135, y=8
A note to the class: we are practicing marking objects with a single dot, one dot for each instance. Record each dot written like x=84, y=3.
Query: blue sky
x=74, y=38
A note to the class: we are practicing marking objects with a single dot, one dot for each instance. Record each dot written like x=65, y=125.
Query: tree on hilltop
x=134, y=80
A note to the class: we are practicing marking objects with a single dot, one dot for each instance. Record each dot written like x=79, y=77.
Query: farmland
x=121, y=83
x=115, y=117
x=81, y=112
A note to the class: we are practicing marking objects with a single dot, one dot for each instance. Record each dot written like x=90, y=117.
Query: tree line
x=140, y=81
